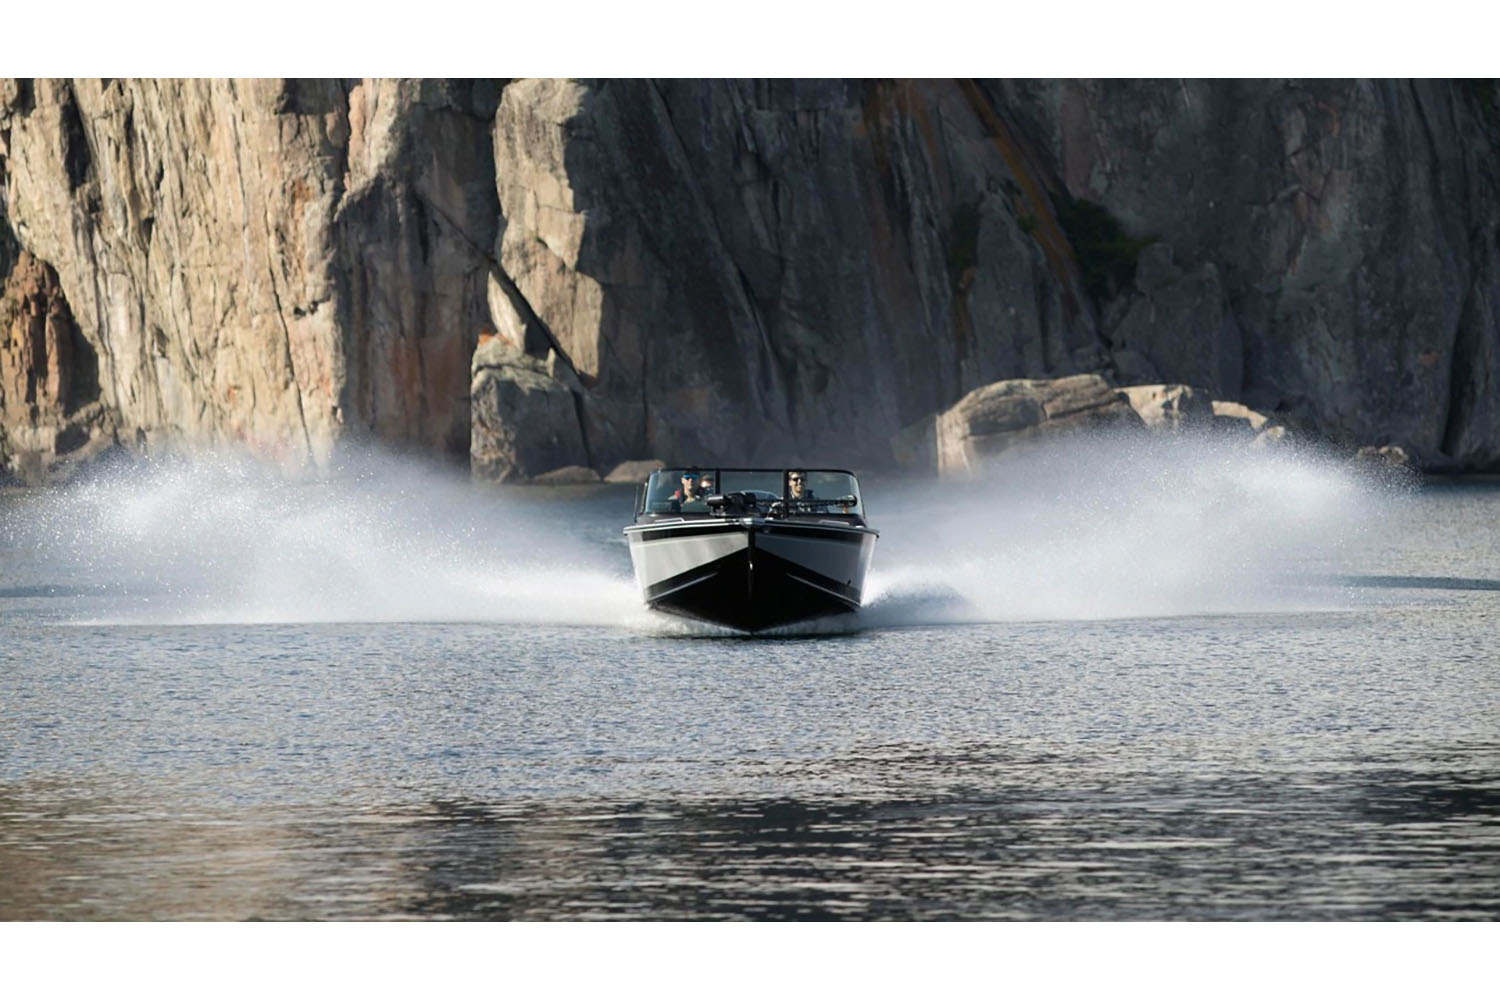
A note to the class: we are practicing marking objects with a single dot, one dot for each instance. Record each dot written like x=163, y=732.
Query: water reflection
x=1418, y=582
x=51, y=590
x=1058, y=840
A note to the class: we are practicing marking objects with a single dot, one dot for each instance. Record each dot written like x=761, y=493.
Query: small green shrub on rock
x=1105, y=254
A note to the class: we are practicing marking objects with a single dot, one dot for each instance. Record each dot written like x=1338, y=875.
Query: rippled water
x=1247, y=687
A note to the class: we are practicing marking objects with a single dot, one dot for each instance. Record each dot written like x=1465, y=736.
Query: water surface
x=1245, y=687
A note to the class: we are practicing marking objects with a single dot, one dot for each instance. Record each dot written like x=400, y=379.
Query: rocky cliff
x=1351, y=231
x=278, y=263
x=734, y=270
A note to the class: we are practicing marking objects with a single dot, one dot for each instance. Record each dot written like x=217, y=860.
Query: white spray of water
x=1094, y=528
x=222, y=538
x=1085, y=529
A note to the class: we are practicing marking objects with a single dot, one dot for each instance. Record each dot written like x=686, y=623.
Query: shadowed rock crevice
x=410, y=259
x=49, y=377
x=76, y=157
x=1474, y=393
x=1036, y=188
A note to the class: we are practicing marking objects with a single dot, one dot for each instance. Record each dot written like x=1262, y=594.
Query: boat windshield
x=822, y=492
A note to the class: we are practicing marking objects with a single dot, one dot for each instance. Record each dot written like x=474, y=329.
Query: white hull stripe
x=664, y=558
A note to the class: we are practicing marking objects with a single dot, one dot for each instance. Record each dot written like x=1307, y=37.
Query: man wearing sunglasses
x=796, y=485
x=688, y=496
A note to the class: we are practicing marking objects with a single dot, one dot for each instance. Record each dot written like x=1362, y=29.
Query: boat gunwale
x=685, y=527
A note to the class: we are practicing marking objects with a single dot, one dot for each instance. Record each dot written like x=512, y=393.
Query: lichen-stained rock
x=525, y=422
x=777, y=270
x=176, y=215
x=995, y=418
x=277, y=263
x=45, y=369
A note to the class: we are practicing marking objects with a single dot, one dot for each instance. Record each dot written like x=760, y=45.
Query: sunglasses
x=794, y=479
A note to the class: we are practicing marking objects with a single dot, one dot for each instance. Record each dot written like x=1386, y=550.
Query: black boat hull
x=752, y=574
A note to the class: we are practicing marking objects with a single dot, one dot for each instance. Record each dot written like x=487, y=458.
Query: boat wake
x=1100, y=529
x=1088, y=529
x=224, y=539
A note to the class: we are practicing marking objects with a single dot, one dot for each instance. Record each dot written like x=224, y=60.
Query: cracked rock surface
x=736, y=271
x=273, y=263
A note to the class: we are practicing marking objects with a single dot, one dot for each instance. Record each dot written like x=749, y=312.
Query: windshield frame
x=655, y=497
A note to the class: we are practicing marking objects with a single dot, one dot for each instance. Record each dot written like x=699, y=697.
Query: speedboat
x=751, y=548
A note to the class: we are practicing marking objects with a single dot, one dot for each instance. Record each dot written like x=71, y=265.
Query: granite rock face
x=1012, y=414
x=276, y=263
x=1179, y=322
x=1353, y=227
x=525, y=420
x=771, y=271
x=747, y=271
x=806, y=268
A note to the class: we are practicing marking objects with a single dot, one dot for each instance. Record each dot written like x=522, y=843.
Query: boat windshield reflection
x=687, y=490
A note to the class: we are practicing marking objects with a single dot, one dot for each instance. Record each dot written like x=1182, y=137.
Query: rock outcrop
x=1239, y=418
x=635, y=471
x=747, y=271
x=1171, y=408
x=1011, y=414
x=998, y=420
x=525, y=420
x=826, y=262
x=1388, y=462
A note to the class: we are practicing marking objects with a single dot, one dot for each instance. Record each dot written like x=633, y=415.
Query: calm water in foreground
x=1262, y=691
